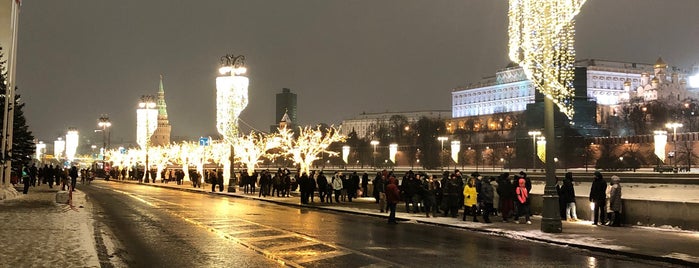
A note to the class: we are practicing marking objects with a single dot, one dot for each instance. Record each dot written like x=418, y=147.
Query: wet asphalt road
x=156, y=227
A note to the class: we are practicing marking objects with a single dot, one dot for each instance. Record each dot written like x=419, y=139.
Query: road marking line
x=323, y=256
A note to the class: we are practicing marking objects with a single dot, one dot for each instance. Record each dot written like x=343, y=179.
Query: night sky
x=80, y=59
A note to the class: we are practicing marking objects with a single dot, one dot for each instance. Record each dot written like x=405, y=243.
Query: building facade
x=161, y=136
x=285, y=105
x=608, y=83
x=365, y=122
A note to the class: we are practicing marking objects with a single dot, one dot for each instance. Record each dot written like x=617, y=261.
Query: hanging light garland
x=542, y=42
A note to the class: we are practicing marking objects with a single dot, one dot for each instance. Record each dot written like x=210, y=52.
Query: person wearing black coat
x=599, y=197
x=486, y=196
x=365, y=185
x=567, y=196
x=322, y=186
x=352, y=186
x=506, y=193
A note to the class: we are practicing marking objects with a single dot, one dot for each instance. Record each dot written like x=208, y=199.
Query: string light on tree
x=309, y=145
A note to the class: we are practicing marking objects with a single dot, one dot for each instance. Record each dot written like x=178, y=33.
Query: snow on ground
x=64, y=233
x=683, y=256
x=639, y=191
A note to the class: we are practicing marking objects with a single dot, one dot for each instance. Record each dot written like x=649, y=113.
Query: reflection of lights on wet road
x=287, y=248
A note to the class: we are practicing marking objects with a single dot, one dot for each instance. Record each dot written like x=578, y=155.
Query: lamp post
x=674, y=126
x=373, y=155
x=442, y=139
x=104, y=123
x=146, y=123
x=231, y=100
x=534, y=134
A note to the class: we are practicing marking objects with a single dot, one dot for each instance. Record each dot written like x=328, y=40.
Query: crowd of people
x=66, y=178
x=506, y=196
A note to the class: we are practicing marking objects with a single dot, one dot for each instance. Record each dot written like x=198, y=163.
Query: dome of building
x=660, y=63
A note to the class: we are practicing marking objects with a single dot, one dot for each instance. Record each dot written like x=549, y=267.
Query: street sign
x=204, y=141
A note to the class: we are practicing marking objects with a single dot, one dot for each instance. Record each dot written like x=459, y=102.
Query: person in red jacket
x=392, y=198
x=522, y=201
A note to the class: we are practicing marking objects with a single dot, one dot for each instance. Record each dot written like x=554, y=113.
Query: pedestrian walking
x=598, y=198
x=73, y=173
x=25, y=179
x=32, y=174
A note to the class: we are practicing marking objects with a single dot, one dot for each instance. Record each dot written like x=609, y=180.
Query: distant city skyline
x=78, y=60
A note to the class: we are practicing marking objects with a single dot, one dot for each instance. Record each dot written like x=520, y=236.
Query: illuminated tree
x=250, y=149
x=309, y=144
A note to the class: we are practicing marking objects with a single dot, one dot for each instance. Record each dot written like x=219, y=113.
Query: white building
x=609, y=83
x=365, y=122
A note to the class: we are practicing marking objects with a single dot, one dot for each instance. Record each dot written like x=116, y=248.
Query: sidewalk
x=666, y=245
x=38, y=232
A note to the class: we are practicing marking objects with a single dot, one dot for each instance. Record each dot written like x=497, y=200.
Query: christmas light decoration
x=455, y=149
x=72, y=138
x=59, y=147
x=541, y=41
x=541, y=149
x=309, y=144
x=660, y=141
x=392, y=151
x=345, y=153
x=250, y=149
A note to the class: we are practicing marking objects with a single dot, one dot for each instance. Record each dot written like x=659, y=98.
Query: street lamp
x=534, y=134
x=146, y=123
x=674, y=126
x=104, y=123
x=231, y=100
x=442, y=139
x=373, y=155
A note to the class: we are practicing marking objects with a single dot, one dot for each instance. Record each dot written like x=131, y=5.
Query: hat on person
x=616, y=179
x=597, y=173
x=475, y=174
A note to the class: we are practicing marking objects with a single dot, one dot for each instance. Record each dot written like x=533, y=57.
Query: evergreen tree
x=23, y=147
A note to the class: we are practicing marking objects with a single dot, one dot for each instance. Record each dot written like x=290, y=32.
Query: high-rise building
x=286, y=104
x=161, y=136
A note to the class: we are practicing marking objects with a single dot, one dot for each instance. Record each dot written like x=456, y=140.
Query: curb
x=475, y=229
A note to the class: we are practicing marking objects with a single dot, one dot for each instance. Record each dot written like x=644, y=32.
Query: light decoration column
x=541, y=149
x=455, y=149
x=40, y=151
x=72, y=138
x=231, y=100
x=660, y=141
x=146, y=123
x=392, y=151
x=674, y=126
x=59, y=147
x=541, y=39
x=442, y=139
x=345, y=153
x=374, y=143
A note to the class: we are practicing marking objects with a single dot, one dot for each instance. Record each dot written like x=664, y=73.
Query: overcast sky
x=80, y=59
